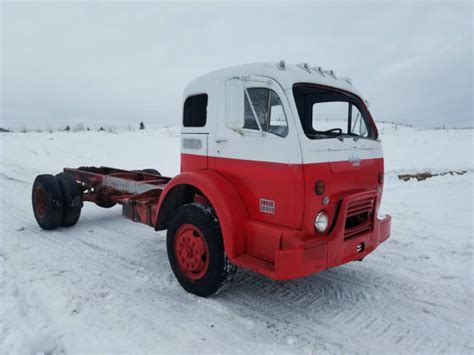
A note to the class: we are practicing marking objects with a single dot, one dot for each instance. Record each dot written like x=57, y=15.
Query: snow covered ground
x=105, y=285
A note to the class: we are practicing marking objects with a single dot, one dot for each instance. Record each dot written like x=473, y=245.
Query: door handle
x=221, y=139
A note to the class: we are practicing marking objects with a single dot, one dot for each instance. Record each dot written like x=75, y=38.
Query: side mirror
x=234, y=104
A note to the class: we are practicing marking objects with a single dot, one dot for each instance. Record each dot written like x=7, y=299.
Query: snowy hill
x=106, y=286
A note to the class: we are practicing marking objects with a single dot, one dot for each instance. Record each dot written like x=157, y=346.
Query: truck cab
x=302, y=151
x=281, y=173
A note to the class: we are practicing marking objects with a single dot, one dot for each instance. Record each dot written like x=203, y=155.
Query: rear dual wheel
x=102, y=199
x=148, y=171
x=151, y=171
x=47, y=199
x=56, y=201
x=72, y=199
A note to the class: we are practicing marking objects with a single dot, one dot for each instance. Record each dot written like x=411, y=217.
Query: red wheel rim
x=40, y=202
x=191, y=252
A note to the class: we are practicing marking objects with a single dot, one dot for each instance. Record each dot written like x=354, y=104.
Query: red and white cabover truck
x=281, y=173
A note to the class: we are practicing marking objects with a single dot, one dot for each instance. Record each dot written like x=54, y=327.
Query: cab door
x=262, y=159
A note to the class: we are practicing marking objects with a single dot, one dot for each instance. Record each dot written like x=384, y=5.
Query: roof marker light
x=331, y=73
x=347, y=80
x=319, y=70
x=281, y=65
x=305, y=66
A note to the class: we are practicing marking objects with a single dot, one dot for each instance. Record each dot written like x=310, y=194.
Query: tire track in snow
x=157, y=285
x=320, y=312
x=327, y=296
x=29, y=329
x=287, y=296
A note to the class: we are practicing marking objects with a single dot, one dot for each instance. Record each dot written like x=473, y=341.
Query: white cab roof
x=286, y=77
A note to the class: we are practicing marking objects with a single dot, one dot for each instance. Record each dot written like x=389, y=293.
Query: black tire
x=103, y=200
x=47, y=201
x=72, y=199
x=151, y=171
x=218, y=265
x=105, y=204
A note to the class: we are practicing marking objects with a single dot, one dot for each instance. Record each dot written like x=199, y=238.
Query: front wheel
x=196, y=250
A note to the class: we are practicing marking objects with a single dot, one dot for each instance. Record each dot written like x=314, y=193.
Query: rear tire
x=105, y=204
x=103, y=200
x=196, y=250
x=148, y=171
x=47, y=201
x=151, y=171
x=72, y=199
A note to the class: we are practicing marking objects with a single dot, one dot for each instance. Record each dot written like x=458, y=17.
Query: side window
x=269, y=110
x=195, y=111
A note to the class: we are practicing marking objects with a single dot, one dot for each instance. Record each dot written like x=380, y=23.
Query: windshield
x=328, y=113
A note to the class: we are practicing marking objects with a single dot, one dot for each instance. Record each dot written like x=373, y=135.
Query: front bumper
x=301, y=254
x=314, y=257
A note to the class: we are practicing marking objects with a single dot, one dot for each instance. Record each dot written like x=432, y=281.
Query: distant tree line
x=77, y=128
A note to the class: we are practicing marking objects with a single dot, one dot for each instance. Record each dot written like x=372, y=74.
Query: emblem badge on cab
x=355, y=160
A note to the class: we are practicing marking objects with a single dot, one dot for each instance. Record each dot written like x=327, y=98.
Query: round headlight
x=321, y=221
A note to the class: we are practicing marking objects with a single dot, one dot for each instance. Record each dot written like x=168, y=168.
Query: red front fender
x=225, y=200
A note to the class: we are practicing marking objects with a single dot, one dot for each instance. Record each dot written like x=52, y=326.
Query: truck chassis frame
x=138, y=191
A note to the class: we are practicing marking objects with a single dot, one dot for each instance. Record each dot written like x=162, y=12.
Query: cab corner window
x=195, y=111
x=266, y=107
x=358, y=125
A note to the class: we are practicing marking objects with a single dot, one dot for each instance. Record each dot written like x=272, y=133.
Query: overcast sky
x=124, y=62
